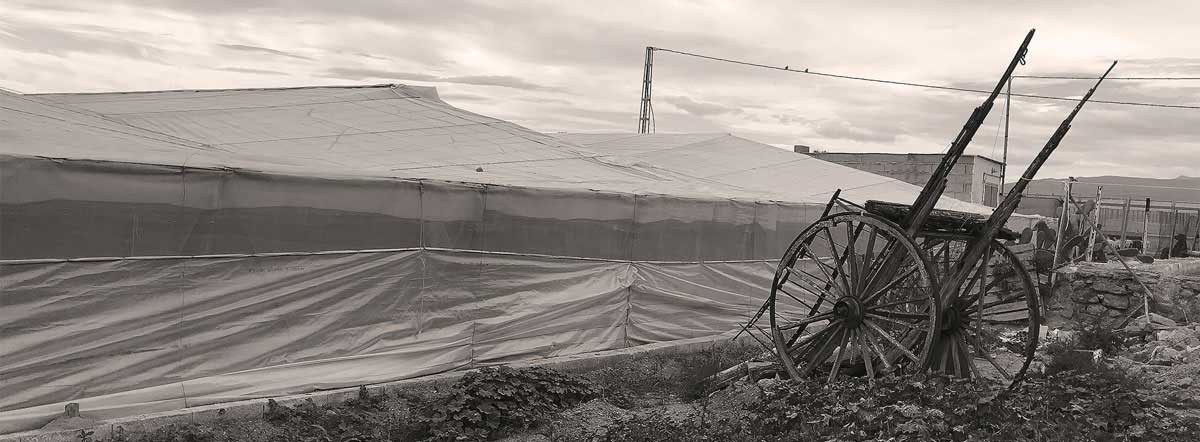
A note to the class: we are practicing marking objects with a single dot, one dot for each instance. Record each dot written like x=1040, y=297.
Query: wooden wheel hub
x=849, y=310
x=952, y=319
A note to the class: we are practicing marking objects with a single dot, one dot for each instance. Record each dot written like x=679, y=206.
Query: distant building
x=975, y=178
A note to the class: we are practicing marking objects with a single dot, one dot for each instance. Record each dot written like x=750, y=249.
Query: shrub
x=493, y=401
x=1072, y=360
x=1100, y=337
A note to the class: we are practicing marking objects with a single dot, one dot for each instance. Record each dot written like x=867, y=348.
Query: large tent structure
x=161, y=250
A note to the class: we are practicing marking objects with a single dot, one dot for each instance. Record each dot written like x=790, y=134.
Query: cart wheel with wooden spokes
x=852, y=295
x=999, y=298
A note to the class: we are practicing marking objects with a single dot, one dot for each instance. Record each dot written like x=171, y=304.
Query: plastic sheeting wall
x=153, y=335
x=78, y=209
x=472, y=275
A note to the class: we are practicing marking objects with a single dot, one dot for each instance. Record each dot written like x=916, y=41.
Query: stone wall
x=1106, y=293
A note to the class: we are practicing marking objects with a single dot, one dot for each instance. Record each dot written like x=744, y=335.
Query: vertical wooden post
x=1062, y=229
x=1063, y=221
x=1196, y=239
x=1145, y=228
x=1125, y=219
x=1095, y=225
x=1174, y=219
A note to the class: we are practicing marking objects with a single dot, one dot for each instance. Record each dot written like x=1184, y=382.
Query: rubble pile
x=1172, y=346
x=1169, y=362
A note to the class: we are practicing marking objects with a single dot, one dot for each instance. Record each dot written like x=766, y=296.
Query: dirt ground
x=1141, y=392
x=1172, y=380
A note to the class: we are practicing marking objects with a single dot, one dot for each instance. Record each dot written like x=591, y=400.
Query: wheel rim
x=852, y=295
x=999, y=297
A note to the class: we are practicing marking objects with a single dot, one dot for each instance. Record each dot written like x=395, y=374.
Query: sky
x=576, y=66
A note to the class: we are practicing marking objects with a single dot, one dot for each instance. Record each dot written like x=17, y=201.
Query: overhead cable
x=920, y=85
x=1068, y=77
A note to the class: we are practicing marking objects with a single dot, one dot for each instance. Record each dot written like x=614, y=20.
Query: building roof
x=938, y=155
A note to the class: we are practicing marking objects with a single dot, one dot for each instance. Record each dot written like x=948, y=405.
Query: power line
x=1108, y=78
x=920, y=85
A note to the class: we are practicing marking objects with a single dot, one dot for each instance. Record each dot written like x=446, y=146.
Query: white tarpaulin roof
x=757, y=168
x=368, y=132
x=403, y=131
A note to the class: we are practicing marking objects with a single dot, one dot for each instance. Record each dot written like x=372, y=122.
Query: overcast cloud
x=576, y=66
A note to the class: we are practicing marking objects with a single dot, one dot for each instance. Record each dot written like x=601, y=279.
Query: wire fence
x=1156, y=223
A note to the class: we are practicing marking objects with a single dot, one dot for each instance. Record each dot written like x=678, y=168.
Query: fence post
x=1146, y=228
x=1197, y=237
x=1174, y=220
x=1095, y=226
x=1125, y=219
x=1063, y=221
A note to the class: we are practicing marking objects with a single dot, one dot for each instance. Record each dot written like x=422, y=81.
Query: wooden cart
x=881, y=287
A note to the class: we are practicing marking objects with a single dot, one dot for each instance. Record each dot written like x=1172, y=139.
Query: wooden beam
x=1125, y=219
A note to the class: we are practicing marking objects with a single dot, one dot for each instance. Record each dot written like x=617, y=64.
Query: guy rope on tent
x=886, y=287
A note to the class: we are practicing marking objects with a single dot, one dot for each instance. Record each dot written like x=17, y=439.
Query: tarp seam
x=366, y=251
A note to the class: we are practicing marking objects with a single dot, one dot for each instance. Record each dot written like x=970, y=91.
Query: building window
x=991, y=195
